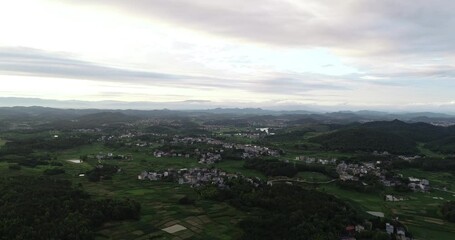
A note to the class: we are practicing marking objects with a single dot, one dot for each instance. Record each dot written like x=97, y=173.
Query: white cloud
x=354, y=52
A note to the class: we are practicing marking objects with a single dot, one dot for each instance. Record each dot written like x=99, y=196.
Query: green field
x=216, y=220
x=2, y=142
x=428, y=152
x=437, y=179
x=237, y=167
x=159, y=200
x=312, y=176
x=419, y=212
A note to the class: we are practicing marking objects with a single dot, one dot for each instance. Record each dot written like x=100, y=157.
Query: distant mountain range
x=54, y=109
x=225, y=115
x=215, y=107
x=359, y=130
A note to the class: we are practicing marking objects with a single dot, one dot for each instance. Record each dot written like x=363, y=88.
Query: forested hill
x=422, y=132
x=46, y=208
x=392, y=136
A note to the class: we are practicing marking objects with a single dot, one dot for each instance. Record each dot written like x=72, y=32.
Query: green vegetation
x=53, y=171
x=105, y=171
x=271, y=167
x=45, y=208
x=285, y=212
x=2, y=142
x=313, y=176
x=238, y=167
x=366, y=185
x=420, y=212
x=428, y=164
x=445, y=145
x=394, y=137
x=448, y=211
x=38, y=148
x=366, y=140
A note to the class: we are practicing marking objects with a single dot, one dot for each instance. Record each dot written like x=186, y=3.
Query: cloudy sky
x=257, y=53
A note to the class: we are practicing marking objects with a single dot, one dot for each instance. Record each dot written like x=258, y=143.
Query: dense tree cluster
x=365, y=185
x=46, y=208
x=232, y=154
x=448, y=211
x=366, y=140
x=273, y=167
x=426, y=164
x=105, y=171
x=54, y=171
x=283, y=211
x=445, y=145
x=47, y=143
x=326, y=170
x=392, y=136
x=31, y=152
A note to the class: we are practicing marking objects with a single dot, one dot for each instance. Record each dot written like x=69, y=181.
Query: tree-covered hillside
x=367, y=140
x=46, y=208
x=393, y=136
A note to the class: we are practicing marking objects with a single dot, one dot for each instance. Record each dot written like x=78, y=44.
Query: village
x=211, y=155
x=195, y=177
x=212, y=150
x=314, y=160
x=199, y=177
x=354, y=172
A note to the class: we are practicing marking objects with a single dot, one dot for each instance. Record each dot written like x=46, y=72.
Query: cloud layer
x=353, y=52
x=33, y=62
x=360, y=26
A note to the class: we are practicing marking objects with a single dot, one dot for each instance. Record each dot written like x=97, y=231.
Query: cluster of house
x=209, y=158
x=214, y=155
x=194, y=176
x=204, y=157
x=110, y=156
x=398, y=232
x=390, y=181
x=253, y=134
x=415, y=184
x=250, y=150
x=194, y=140
x=160, y=153
x=107, y=138
x=197, y=177
x=419, y=185
x=88, y=130
x=265, y=130
x=354, y=171
x=392, y=198
x=125, y=137
x=351, y=230
x=313, y=160
x=409, y=158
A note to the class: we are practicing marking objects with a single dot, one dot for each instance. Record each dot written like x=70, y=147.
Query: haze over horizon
x=348, y=55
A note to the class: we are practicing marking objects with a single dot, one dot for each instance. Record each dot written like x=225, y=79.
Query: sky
x=353, y=54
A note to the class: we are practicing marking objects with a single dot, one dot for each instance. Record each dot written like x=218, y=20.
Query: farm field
x=159, y=200
x=108, y=161
x=237, y=167
x=2, y=142
x=312, y=176
x=420, y=211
